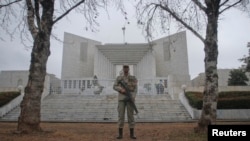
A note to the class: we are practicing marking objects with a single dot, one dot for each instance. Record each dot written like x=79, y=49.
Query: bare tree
x=248, y=59
x=39, y=17
x=193, y=15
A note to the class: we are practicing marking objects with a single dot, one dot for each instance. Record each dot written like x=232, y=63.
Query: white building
x=161, y=67
x=223, y=76
x=164, y=60
x=11, y=80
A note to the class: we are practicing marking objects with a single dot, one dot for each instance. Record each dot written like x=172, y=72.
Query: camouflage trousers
x=122, y=107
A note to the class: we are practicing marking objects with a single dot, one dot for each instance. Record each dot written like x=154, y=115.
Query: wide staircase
x=103, y=108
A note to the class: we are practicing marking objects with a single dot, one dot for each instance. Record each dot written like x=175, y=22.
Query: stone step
x=103, y=108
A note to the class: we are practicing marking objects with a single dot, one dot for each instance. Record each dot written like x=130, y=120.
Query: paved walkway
x=103, y=108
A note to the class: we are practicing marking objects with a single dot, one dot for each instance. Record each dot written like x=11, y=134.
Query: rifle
x=128, y=94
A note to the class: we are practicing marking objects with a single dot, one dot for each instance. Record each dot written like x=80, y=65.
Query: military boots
x=120, y=133
x=132, y=135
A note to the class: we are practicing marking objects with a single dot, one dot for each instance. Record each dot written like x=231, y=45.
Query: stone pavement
x=103, y=108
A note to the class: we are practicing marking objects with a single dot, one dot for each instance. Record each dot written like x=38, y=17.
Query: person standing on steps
x=123, y=104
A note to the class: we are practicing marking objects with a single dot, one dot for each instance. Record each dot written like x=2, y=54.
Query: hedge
x=6, y=97
x=226, y=100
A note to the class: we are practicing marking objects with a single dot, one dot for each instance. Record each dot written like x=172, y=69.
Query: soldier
x=123, y=104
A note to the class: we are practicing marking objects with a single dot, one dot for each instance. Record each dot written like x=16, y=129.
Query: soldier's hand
x=123, y=91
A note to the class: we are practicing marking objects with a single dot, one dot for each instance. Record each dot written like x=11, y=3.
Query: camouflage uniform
x=122, y=104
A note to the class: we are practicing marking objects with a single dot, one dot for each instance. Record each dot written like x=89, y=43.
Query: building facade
x=163, y=61
x=223, y=76
x=14, y=80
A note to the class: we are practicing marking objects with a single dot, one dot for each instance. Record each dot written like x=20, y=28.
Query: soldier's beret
x=125, y=66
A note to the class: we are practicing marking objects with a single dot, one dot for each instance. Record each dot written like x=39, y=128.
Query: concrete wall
x=78, y=57
x=172, y=61
x=171, y=55
x=146, y=67
x=103, y=68
x=221, y=88
x=175, y=84
x=11, y=105
x=227, y=114
x=55, y=84
x=12, y=80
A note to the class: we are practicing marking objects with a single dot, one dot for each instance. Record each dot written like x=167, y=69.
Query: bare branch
x=203, y=8
x=166, y=8
x=224, y=3
x=31, y=15
x=149, y=33
x=67, y=12
x=37, y=14
x=8, y=4
x=229, y=6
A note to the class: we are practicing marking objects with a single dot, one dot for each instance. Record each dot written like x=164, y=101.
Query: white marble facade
x=16, y=80
x=163, y=59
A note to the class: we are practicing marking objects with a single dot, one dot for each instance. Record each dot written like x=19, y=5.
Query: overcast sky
x=233, y=31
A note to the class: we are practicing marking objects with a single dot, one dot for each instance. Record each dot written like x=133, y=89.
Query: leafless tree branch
x=223, y=3
x=229, y=6
x=149, y=22
x=8, y=4
x=166, y=8
x=38, y=20
x=67, y=12
x=199, y=4
x=31, y=14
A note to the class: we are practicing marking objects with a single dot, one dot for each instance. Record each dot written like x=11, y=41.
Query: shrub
x=6, y=97
x=237, y=78
x=226, y=100
x=194, y=99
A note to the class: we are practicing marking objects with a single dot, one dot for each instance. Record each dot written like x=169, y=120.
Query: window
x=70, y=83
x=83, y=84
x=88, y=84
x=65, y=84
x=166, y=51
x=84, y=52
x=74, y=84
x=80, y=83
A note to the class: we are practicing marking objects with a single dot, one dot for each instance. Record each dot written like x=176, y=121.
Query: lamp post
x=183, y=87
x=123, y=29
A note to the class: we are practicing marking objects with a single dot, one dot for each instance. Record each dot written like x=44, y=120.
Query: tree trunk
x=29, y=119
x=210, y=94
x=248, y=63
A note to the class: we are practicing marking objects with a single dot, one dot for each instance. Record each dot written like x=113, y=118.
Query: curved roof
x=124, y=53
